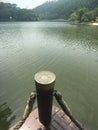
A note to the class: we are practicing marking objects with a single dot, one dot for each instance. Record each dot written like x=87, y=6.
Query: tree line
x=73, y=10
x=84, y=15
x=10, y=12
x=62, y=9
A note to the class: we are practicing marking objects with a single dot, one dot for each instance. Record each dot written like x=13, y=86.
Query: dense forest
x=73, y=10
x=62, y=9
x=84, y=15
x=10, y=12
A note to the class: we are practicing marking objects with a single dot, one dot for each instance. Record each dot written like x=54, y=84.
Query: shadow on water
x=6, y=116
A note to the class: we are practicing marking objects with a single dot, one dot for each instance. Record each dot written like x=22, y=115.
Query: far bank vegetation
x=84, y=15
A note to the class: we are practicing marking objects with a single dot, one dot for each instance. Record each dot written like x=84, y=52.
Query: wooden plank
x=60, y=121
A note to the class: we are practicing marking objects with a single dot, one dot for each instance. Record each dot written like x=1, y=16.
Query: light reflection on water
x=70, y=51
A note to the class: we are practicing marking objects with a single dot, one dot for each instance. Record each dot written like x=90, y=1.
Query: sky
x=26, y=3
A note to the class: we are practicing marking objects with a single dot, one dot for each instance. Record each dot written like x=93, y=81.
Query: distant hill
x=10, y=12
x=61, y=9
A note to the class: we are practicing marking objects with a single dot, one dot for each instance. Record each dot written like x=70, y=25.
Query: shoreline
x=85, y=23
x=94, y=24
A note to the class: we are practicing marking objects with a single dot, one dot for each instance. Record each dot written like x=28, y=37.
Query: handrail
x=66, y=109
x=27, y=111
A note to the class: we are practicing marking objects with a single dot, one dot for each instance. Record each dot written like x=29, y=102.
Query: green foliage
x=73, y=17
x=89, y=16
x=62, y=9
x=81, y=10
x=80, y=13
x=10, y=12
x=84, y=15
x=96, y=11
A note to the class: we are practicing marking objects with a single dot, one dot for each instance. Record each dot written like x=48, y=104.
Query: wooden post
x=45, y=81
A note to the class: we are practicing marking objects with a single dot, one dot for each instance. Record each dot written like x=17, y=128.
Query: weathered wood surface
x=60, y=121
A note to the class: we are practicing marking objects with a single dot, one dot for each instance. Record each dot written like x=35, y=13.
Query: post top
x=44, y=77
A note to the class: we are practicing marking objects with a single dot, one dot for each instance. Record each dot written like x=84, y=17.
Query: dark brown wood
x=60, y=121
x=45, y=81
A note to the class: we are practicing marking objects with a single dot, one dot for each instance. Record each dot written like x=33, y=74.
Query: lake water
x=70, y=51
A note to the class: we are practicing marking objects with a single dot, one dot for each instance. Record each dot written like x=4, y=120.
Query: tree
x=96, y=11
x=62, y=9
x=80, y=13
x=89, y=17
x=84, y=15
x=10, y=12
x=73, y=17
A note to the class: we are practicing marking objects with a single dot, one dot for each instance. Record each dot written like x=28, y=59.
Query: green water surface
x=70, y=51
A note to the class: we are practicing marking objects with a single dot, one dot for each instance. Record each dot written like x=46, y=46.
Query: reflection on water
x=6, y=117
x=70, y=51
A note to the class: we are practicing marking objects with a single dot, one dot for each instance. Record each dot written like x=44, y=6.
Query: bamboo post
x=44, y=82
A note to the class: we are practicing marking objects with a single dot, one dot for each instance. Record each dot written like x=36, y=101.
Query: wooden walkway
x=60, y=121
